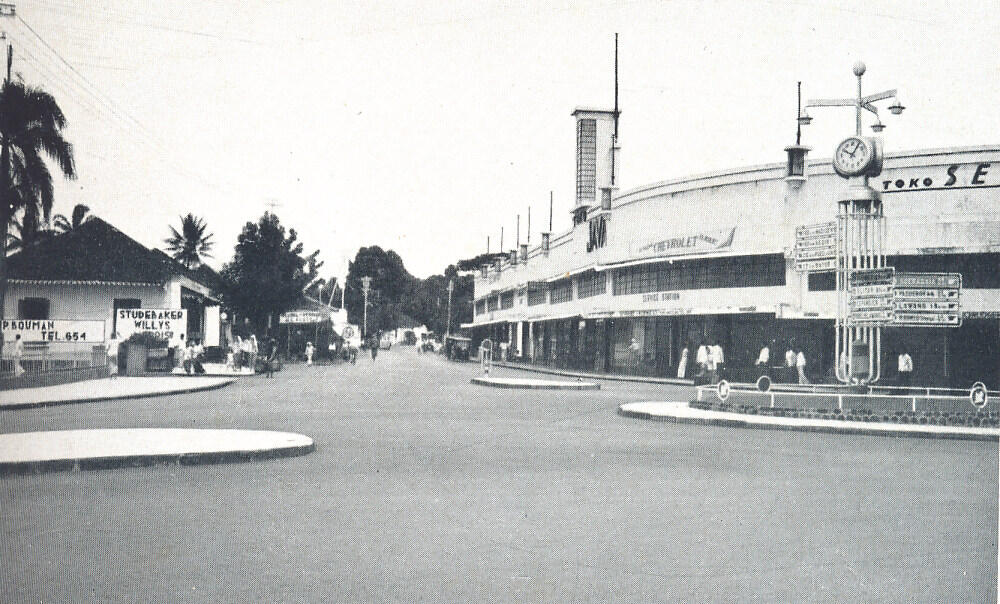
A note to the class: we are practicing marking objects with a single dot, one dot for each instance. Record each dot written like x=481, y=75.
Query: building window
x=506, y=300
x=492, y=302
x=591, y=283
x=586, y=160
x=562, y=291
x=122, y=303
x=536, y=296
x=481, y=306
x=33, y=308
x=822, y=282
x=706, y=273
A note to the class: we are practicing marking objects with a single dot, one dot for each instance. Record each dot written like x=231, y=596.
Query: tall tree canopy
x=190, y=244
x=31, y=127
x=390, y=290
x=268, y=272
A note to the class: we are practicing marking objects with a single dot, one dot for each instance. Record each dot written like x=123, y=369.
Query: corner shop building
x=646, y=272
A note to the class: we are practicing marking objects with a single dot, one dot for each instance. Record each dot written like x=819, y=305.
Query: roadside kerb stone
x=682, y=412
x=107, y=389
x=66, y=450
x=533, y=384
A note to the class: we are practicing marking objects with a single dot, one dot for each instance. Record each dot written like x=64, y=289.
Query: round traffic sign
x=348, y=332
x=978, y=395
x=722, y=390
x=764, y=383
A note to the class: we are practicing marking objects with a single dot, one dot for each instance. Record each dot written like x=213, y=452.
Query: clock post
x=860, y=238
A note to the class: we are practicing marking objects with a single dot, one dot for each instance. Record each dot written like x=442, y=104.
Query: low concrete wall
x=52, y=378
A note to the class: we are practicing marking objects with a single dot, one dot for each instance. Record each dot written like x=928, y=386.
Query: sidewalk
x=685, y=414
x=106, y=389
x=592, y=376
x=63, y=450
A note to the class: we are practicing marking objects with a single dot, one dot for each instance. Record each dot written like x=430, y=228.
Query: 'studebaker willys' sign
x=169, y=324
x=53, y=330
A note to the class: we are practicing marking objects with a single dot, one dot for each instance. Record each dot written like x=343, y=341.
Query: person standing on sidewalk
x=373, y=345
x=18, y=353
x=720, y=359
x=682, y=366
x=905, y=367
x=309, y=353
x=762, y=361
x=790, y=364
x=800, y=364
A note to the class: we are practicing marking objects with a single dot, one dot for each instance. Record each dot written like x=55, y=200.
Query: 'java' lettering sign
x=955, y=176
x=169, y=324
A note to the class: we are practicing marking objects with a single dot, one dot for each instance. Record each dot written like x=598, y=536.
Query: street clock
x=858, y=155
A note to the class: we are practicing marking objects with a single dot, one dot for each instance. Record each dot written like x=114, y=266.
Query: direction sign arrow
x=944, y=280
x=924, y=306
x=926, y=294
x=871, y=276
x=927, y=319
x=870, y=316
x=815, y=242
x=871, y=303
x=812, y=230
x=871, y=290
x=810, y=254
x=829, y=264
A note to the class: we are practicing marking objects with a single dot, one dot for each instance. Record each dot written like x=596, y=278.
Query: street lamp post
x=451, y=288
x=860, y=227
x=365, y=285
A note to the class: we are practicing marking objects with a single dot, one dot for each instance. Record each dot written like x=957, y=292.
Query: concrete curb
x=138, y=460
x=492, y=383
x=848, y=428
x=598, y=376
x=95, y=399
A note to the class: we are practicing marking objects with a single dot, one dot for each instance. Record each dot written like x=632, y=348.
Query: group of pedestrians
x=710, y=361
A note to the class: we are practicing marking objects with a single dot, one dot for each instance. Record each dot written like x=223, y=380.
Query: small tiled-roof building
x=90, y=272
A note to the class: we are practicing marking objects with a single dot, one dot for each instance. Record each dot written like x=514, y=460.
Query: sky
x=425, y=127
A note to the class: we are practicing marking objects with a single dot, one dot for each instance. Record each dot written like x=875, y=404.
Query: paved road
x=424, y=487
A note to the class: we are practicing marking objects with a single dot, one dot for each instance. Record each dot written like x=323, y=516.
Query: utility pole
x=366, y=282
x=451, y=288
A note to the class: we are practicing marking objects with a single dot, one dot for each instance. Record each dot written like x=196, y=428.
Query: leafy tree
x=31, y=126
x=81, y=214
x=430, y=302
x=390, y=290
x=268, y=272
x=26, y=231
x=191, y=243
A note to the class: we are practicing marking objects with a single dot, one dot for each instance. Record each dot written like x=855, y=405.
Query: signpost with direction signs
x=870, y=297
x=927, y=300
x=816, y=247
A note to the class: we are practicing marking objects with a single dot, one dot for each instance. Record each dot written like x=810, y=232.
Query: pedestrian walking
x=272, y=356
x=720, y=359
x=111, y=352
x=712, y=365
x=235, y=352
x=701, y=358
x=763, y=359
x=309, y=353
x=800, y=364
x=373, y=345
x=682, y=366
x=18, y=353
x=246, y=352
x=905, y=368
x=790, y=365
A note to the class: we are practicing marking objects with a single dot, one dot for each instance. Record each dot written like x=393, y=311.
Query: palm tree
x=81, y=214
x=191, y=243
x=31, y=125
x=26, y=231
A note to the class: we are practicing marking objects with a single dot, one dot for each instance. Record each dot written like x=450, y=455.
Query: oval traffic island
x=534, y=383
x=64, y=450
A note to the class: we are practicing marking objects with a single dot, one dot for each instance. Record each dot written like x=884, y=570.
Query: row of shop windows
x=709, y=273
x=979, y=271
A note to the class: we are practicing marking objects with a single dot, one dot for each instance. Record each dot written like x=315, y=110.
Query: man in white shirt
x=702, y=359
x=719, y=359
x=800, y=364
x=789, y=365
x=905, y=367
x=762, y=360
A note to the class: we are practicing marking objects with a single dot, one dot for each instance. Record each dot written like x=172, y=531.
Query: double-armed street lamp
x=860, y=233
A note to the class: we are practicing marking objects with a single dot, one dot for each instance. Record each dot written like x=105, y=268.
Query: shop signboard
x=816, y=266
x=304, y=316
x=53, y=330
x=816, y=247
x=168, y=324
x=927, y=300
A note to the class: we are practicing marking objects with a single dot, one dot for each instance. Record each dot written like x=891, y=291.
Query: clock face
x=852, y=156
